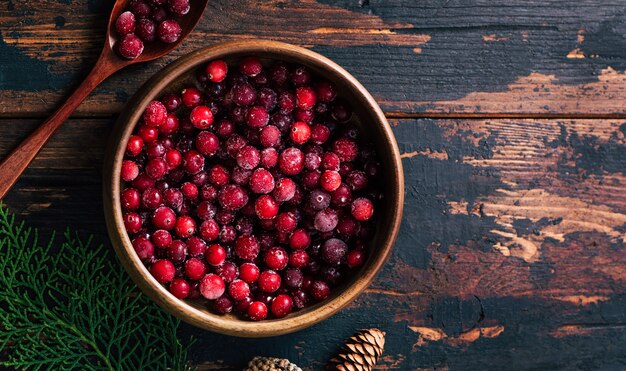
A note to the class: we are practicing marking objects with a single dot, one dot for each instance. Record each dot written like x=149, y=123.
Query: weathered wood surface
x=490, y=58
x=511, y=252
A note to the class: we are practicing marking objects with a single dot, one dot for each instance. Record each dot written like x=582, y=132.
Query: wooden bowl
x=368, y=116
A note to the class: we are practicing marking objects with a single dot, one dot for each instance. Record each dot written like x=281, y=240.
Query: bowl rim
x=121, y=242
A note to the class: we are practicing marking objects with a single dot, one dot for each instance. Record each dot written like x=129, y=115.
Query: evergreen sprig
x=71, y=306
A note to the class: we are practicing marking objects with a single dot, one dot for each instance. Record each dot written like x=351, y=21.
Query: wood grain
x=517, y=57
x=452, y=297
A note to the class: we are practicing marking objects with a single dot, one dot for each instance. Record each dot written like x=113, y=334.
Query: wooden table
x=511, y=117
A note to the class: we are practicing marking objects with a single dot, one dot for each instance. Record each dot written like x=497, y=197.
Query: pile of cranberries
x=251, y=189
x=146, y=21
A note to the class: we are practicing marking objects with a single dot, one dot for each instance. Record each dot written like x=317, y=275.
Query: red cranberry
x=163, y=271
x=151, y=198
x=178, y=7
x=173, y=198
x=216, y=255
x=180, y=288
x=185, y=226
x=146, y=30
x=345, y=168
x=217, y=70
x=144, y=248
x=319, y=290
x=347, y=226
x=312, y=161
x=331, y=275
x=357, y=180
x=249, y=272
x=131, y=199
x=266, y=207
x=169, y=31
x=286, y=222
x=276, y=258
x=232, y=197
x=243, y=94
x=251, y=66
x=285, y=190
x=300, y=132
x=334, y=251
x=261, y=181
x=143, y=182
x=219, y=176
x=304, y=115
x=164, y=218
x=362, y=209
x=195, y=269
x=132, y=222
x=355, y=258
x=346, y=149
x=281, y=306
x=325, y=91
x=223, y=305
x=269, y=157
x=248, y=157
x=300, y=76
x=269, y=281
x=134, y=145
x=243, y=305
x=291, y=161
x=298, y=259
x=267, y=98
x=257, y=117
x=201, y=117
x=270, y=136
x=177, y=252
x=247, y=247
x=342, y=196
x=286, y=101
x=228, y=234
x=282, y=121
x=305, y=98
x=189, y=190
x=140, y=8
x=279, y=73
x=148, y=134
x=239, y=290
x=234, y=144
x=319, y=133
x=125, y=23
x=300, y=299
x=196, y=246
x=173, y=158
x=257, y=311
x=326, y=220
x=212, y=286
x=330, y=161
x=130, y=46
x=227, y=271
x=293, y=278
x=330, y=180
x=129, y=171
x=156, y=168
x=193, y=162
x=300, y=239
x=191, y=97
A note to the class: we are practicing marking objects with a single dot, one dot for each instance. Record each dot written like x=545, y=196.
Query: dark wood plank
x=437, y=56
x=511, y=252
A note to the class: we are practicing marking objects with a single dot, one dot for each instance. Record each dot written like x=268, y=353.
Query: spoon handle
x=17, y=161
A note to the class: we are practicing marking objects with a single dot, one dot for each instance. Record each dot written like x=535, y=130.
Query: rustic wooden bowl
x=368, y=116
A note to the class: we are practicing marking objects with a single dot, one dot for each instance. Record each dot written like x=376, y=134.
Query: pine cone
x=271, y=364
x=361, y=351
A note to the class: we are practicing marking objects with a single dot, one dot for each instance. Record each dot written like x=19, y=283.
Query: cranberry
x=269, y=281
x=341, y=111
x=300, y=298
x=247, y=247
x=334, y=251
x=319, y=290
x=243, y=94
x=191, y=97
x=180, y=288
x=298, y=259
x=300, y=239
x=178, y=7
x=330, y=180
x=207, y=143
x=357, y=180
x=148, y=134
x=239, y=290
x=125, y=23
x=269, y=157
x=266, y=207
x=281, y=306
x=232, y=197
x=225, y=129
x=304, y=115
x=144, y=248
x=146, y=30
x=227, y=271
x=267, y=98
x=279, y=73
x=173, y=198
x=282, y=121
x=305, y=98
x=151, y=198
x=248, y=157
x=219, y=176
x=345, y=149
x=217, y=70
x=201, y=117
x=223, y=305
x=193, y=162
x=243, y=305
x=212, y=286
x=300, y=76
x=286, y=101
x=257, y=311
x=215, y=255
x=156, y=168
x=362, y=209
x=185, y=226
x=131, y=199
x=319, y=200
x=355, y=258
x=286, y=222
x=342, y=196
x=261, y=181
x=300, y=132
x=270, y=136
x=196, y=247
x=276, y=258
x=158, y=14
x=291, y=161
x=326, y=220
x=140, y=8
x=312, y=161
x=311, y=179
x=330, y=161
x=169, y=31
x=195, y=269
x=164, y=218
x=173, y=158
x=325, y=91
x=228, y=234
x=177, y=251
x=319, y=133
x=132, y=222
x=251, y=66
x=130, y=46
x=129, y=171
x=163, y=270
x=134, y=145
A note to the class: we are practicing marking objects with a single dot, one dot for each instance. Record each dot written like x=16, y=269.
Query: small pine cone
x=360, y=352
x=271, y=364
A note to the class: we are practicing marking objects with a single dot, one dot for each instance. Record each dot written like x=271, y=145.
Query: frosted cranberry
x=266, y=207
x=140, y=8
x=286, y=101
x=155, y=149
x=177, y=251
x=326, y=220
x=191, y=97
x=161, y=238
x=293, y=278
x=248, y=157
x=125, y=23
x=163, y=271
x=132, y=222
x=232, y=197
x=310, y=179
x=130, y=46
x=284, y=190
x=225, y=129
x=270, y=136
x=234, y=144
x=334, y=251
x=282, y=121
x=201, y=117
x=146, y=30
x=228, y=234
x=189, y=190
x=173, y=198
x=298, y=196
x=300, y=298
x=185, y=226
x=134, y=145
x=158, y=14
x=250, y=66
x=164, y=218
x=291, y=161
x=223, y=305
x=267, y=98
x=341, y=111
x=173, y=158
x=257, y=117
x=276, y=258
x=195, y=269
x=319, y=133
x=355, y=258
x=212, y=286
x=304, y=115
x=131, y=199
x=238, y=290
x=240, y=176
x=143, y=182
x=247, y=247
x=279, y=73
x=331, y=275
x=193, y=162
x=312, y=161
x=196, y=247
x=156, y=168
x=227, y=271
x=300, y=76
x=345, y=168
x=257, y=311
x=298, y=259
x=207, y=143
x=144, y=248
x=330, y=180
x=362, y=209
x=151, y=198
x=224, y=216
x=305, y=98
x=346, y=149
x=219, y=176
x=319, y=200
x=269, y=281
x=169, y=31
x=243, y=94
x=330, y=161
x=215, y=255
x=348, y=226
x=217, y=70
x=357, y=180
x=129, y=171
x=178, y=7
x=319, y=290
x=206, y=210
x=180, y=288
x=208, y=192
x=325, y=91
x=209, y=230
x=300, y=239
x=269, y=157
x=238, y=115
x=286, y=222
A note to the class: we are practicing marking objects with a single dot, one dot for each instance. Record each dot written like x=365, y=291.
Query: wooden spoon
x=107, y=64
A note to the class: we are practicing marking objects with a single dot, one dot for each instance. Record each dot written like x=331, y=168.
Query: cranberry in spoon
x=122, y=48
